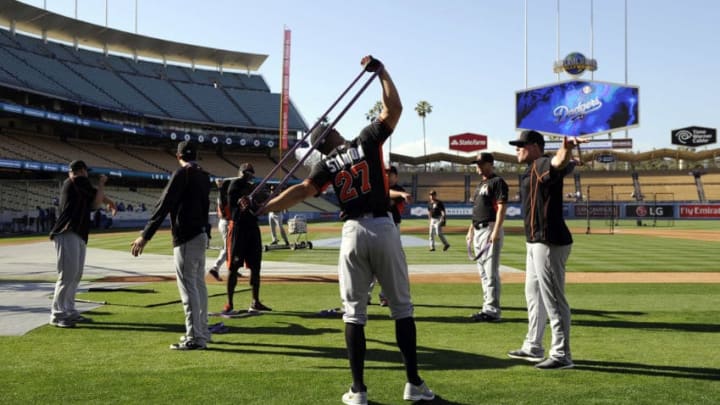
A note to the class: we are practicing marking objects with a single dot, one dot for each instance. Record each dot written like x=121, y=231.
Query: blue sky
x=465, y=57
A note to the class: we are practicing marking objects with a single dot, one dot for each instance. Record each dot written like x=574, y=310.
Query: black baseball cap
x=187, y=150
x=529, y=137
x=77, y=165
x=392, y=169
x=484, y=157
x=433, y=192
x=247, y=167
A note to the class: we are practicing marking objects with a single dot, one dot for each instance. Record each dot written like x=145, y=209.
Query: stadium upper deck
x=211, y=95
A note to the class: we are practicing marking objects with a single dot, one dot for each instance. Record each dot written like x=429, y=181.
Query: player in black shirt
x=489, y=205
x=437, y=217
x=548, y=243
x=187, y=199
x=244, y=241
x=70, y=236
x=370, y=244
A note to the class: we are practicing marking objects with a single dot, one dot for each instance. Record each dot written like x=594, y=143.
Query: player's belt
x=481, y=225
x=373, y=214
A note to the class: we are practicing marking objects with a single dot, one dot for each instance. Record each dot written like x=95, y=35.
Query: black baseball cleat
x=484, y=317
x=446, y=247
x=553, y=364
x=523, y=355
x=258, y=306
x=215, y=274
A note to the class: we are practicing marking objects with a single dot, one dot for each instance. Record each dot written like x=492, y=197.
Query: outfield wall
x=648, y=210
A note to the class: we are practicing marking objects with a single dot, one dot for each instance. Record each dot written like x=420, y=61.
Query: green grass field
x=632, y=343
x=591, y=253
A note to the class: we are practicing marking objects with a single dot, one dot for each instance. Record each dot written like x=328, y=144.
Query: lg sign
x=468, y=142
x=645, y=211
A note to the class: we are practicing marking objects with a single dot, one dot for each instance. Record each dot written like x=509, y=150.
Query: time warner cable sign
x=577, y=107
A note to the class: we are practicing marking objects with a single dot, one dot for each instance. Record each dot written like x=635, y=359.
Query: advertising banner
x=597, y=211
x=694, y=136
x=468, y=142
x=649, y=210
x=577, y=107
x=700, y=211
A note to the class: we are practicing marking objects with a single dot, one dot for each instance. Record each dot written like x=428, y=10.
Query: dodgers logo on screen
x=576, y=108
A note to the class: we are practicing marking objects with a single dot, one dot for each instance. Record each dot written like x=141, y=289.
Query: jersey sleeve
x=377, y=131
x=170, y=196
x=501, y=191
x=319, y=177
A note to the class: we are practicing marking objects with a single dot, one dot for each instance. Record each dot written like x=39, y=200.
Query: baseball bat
x=90, y=301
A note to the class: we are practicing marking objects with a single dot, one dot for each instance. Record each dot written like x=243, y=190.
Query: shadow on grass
x=575, y=311
x=674, y=326
x=171, y=302
x=695, y=373
x=429, y=358
x=283, y=328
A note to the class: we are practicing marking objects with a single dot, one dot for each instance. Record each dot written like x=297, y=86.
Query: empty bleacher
x=121, y=90
x=213, y=102
x=147, y=88
x=162, y=93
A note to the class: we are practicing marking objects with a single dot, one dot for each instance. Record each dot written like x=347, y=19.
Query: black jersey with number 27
x=357, y=173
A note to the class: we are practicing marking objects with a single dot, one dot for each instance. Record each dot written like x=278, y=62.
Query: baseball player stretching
x=489, y=204
x=548, y=243
x=370, y=244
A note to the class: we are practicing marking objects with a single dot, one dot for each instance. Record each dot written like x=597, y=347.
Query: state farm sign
x=468, y=142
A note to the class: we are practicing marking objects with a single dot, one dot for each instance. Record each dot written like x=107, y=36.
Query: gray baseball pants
x=70, y=249
x=190, y=272
x=222, y=257
x=371, y=247
x=275, y=220
x=489, y=268
x=545, y=295
x=436, y=229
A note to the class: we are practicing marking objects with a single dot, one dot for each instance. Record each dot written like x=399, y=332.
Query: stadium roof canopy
x=46, y=24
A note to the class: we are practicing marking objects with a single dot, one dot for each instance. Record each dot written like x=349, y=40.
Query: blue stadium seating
x=264, y=108
x=167, y=97
x=113, y=84
x=60, y=73
x=253, y=82
x=140, y=87
x=209, y=77
x=214, y=103
x=120, y=64
x=62, y=52
x=176, y=73
x=32, y=79
x=6, y=39
x=6, y=78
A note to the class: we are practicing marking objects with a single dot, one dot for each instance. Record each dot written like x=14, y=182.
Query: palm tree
x=423, y=108
x=374, y=111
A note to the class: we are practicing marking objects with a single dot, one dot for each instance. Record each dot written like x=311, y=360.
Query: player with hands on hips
x=370, y=245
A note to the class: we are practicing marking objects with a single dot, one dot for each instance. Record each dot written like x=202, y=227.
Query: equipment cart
x=297, y=225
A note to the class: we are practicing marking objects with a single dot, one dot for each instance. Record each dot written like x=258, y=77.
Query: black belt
x=372, y=214
x=481, y=225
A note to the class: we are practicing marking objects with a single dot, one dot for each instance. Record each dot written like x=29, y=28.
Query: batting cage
x=600, y=210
